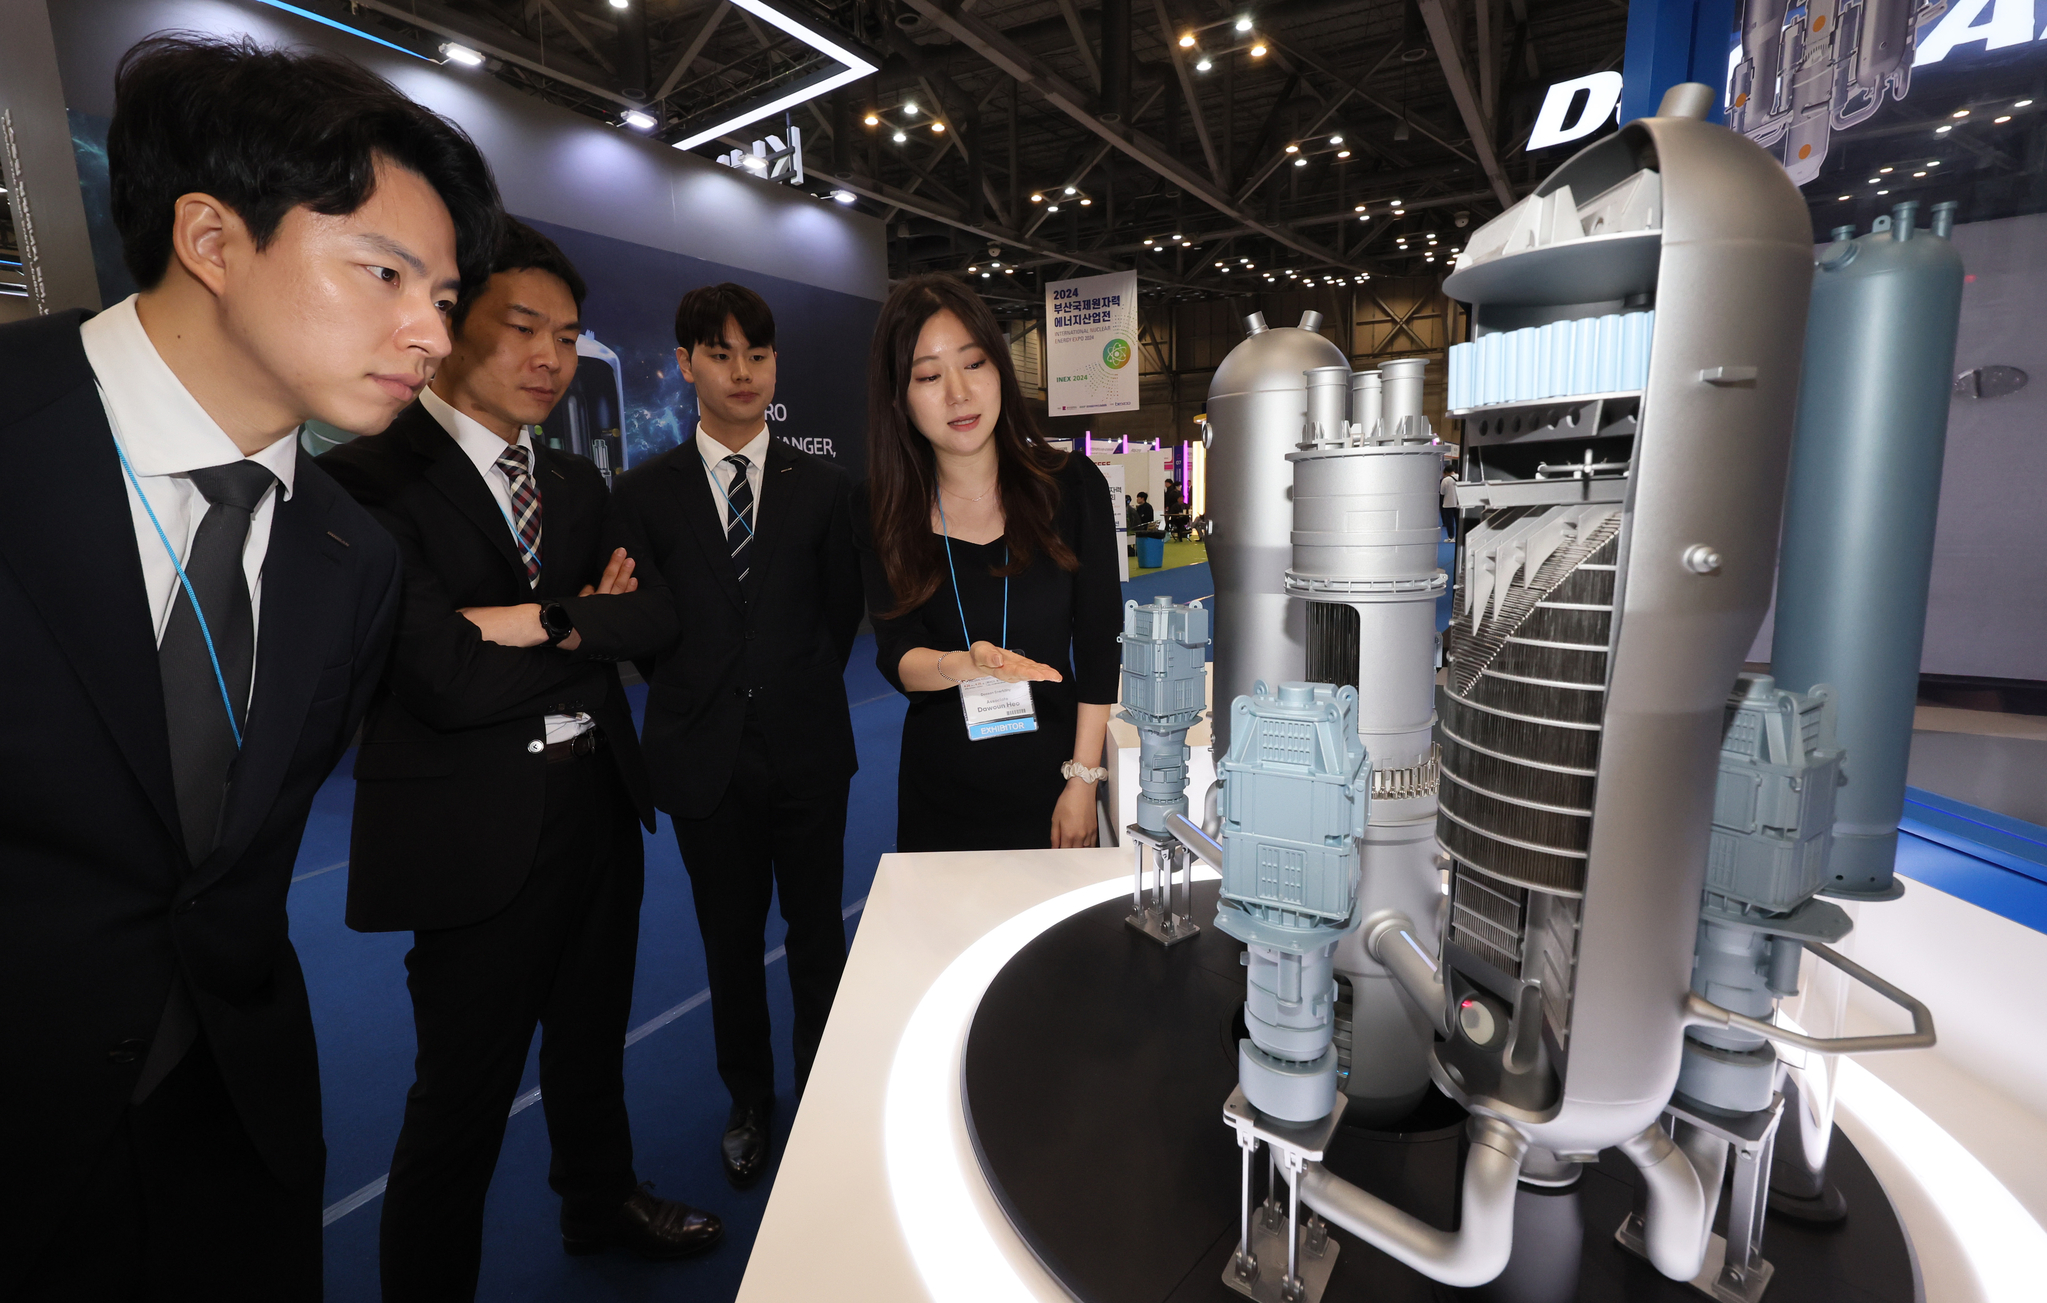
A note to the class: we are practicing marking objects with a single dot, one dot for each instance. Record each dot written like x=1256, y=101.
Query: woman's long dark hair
x=902, y=470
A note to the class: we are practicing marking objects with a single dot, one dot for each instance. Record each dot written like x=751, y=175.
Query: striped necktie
x=525, y=508
x=739, y=529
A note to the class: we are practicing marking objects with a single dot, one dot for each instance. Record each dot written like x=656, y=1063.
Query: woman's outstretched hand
x=1011, y=667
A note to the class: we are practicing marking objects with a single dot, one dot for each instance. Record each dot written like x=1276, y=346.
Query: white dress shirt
x=167, y=435
x=483, y=448
x=721, y=474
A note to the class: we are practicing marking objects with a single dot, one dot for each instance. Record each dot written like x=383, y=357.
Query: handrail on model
x=1701, y=1012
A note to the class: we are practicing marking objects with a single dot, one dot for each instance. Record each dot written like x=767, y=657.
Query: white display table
x=879, y=1195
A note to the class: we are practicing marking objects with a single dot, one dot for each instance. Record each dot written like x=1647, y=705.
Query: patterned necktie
x=202, y=740
x=739, y=529
x=525, y=508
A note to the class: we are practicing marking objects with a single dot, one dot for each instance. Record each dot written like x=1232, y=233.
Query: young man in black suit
x=198, y=616
x=748, y=738
x=499, y=788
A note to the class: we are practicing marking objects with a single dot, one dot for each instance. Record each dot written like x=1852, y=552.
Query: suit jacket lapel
x=779, y=481
x=455, y=476
x=300, y=571
x=68, y=539
x=704, y=519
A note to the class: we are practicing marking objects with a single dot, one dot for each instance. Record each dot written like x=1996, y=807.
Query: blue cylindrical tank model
x=1857, y=553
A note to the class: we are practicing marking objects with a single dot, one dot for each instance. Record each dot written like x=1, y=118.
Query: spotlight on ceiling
x=844, y=196
x=909, y=108
x=1085, y=202
x=1300, y=162
x=1293, y=149
x=637, y=120
x=1051, y=208
x=1343, y=153
x=620, y=4
x=462, y=54
x=1244, y=24
x=1204, y=65
x=899, y=137
x=938, y=128
x=1070, y=190
x=872, y=120
x=1038, y=198
x=1258, y=51
x=1336, y=140
x=1187, y=41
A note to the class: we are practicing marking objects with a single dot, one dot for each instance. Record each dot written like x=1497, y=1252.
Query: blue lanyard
x=218, y=678
x=947, y=531
x=727, y=494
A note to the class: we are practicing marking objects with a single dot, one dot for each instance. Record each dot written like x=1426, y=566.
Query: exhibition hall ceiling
x=1312, y=141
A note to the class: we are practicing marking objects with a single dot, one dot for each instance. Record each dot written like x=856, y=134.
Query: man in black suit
x=198, y=616
x=500, y=789
x=748, y=738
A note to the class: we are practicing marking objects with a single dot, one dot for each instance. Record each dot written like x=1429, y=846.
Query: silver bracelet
x=940, y=667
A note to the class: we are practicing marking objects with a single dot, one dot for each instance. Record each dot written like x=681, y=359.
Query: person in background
x=500, y=791
x=199, y=616
x=1174, y=502
x=992, y=578
x=749, y=738
x=1447, y=489
x=1142, y=516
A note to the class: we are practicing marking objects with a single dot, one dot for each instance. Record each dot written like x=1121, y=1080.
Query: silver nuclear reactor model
x=1256, y=406
x=1165, y=691
x=1591, y=761
x=1366, y=495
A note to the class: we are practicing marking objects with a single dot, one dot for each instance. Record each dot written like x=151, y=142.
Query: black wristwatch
x=555, y=622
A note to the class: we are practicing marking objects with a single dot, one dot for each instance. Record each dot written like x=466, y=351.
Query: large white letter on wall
x=1555, y=124
x=1091, y=344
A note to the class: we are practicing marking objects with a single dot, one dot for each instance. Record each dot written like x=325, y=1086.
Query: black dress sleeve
x=1097, y=586
x=892, y=637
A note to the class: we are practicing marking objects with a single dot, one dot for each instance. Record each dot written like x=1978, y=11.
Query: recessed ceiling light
x=900, y=137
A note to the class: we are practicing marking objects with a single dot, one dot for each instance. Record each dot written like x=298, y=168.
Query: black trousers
x=761, y=838
x=560, y=955
x=179, y=1206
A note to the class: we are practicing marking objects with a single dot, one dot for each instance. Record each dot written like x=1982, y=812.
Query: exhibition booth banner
x=1091, y=344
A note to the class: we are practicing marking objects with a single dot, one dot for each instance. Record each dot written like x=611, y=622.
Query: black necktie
x=739, y=529
x=203, y=745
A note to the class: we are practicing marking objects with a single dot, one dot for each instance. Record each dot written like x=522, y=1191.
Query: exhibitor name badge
x=996, y=709
x=1090, y=344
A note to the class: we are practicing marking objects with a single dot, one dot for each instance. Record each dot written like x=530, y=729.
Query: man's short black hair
x=700, y=317
x=521, y=248
x=265, y=130
x=1142, y=497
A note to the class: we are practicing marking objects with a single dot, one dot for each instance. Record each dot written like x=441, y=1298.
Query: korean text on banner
x=1091, y=344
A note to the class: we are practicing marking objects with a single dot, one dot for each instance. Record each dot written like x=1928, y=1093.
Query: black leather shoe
x=744, y=1145
x=652, y=1228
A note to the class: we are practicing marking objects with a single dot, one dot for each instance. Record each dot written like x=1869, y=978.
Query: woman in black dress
x=990, y=561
